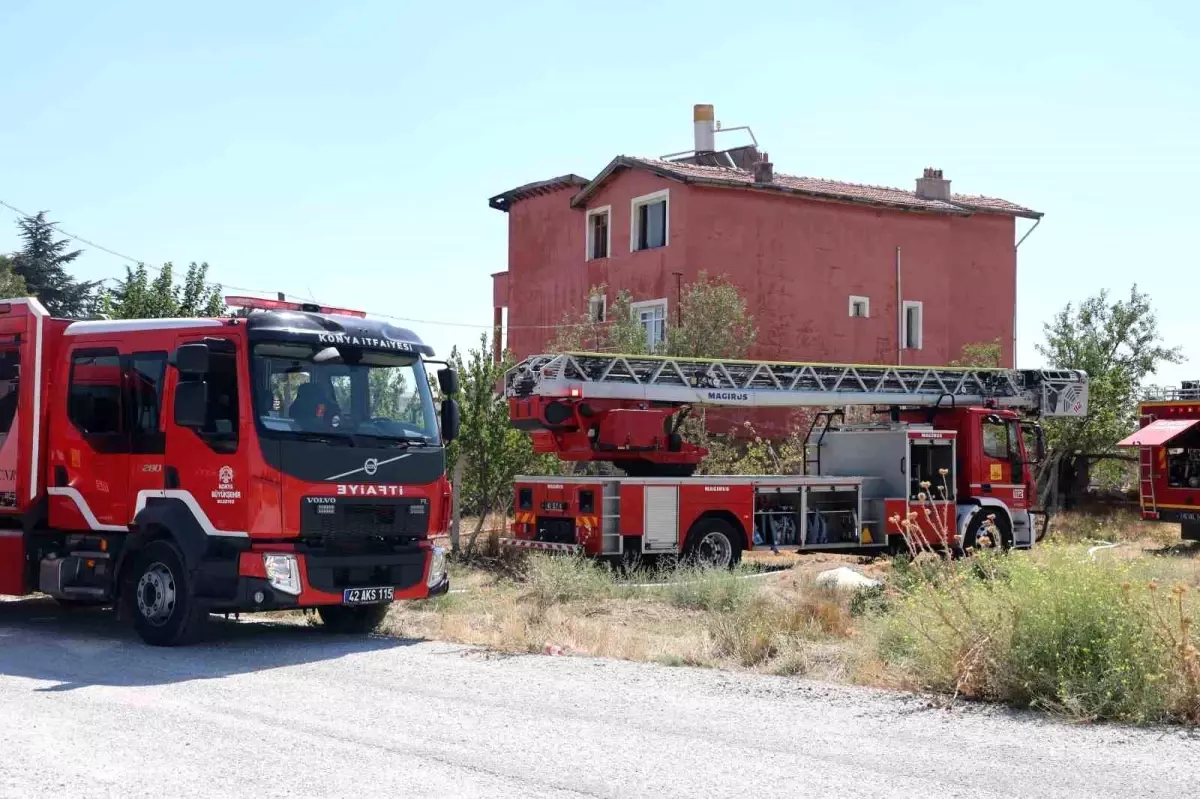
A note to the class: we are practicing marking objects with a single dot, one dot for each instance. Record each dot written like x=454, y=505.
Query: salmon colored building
x=831, y=271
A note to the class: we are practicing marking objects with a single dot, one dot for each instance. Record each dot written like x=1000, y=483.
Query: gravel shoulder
x=281, y=710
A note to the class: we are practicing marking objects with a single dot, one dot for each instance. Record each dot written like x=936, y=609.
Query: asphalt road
x=274, y=710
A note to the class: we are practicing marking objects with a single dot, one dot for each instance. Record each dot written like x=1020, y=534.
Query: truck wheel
x=165, y=609
x=975, y=538
x=713, y=544
x=352, y=620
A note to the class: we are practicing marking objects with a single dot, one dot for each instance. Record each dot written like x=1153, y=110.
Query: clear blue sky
x=347, y=150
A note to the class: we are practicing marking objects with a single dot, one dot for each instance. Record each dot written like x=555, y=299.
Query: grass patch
x=1102, y=636
x=1088, y=638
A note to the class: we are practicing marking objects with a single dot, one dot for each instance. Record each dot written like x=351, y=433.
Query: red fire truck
x=953, y=444
x=1168, y=444
x=289, y=457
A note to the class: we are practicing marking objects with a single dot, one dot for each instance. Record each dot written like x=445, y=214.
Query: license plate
x=554, y=506
x=367, y=596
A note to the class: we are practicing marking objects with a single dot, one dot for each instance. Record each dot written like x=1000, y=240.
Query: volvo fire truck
x=288, y=457
x=1168, y=445
x=948, y=454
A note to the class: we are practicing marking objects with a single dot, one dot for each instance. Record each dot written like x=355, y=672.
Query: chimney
x=932, y=186
x=703, y=122
x=764, y=170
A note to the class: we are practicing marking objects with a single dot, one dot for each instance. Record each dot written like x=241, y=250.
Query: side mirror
x=448, y=381
x=191, y=359
x=450, y=420
x=191, y=403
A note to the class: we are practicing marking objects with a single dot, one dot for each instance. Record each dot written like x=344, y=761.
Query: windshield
x=344, y=392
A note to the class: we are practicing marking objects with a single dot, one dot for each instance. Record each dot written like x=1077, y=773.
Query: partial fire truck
x=1168, y=444
x=288, y=457
x=950, y=453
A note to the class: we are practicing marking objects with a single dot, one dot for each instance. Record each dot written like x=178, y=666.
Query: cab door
x=89, y=484
x=203, y=466
x=1002, y=460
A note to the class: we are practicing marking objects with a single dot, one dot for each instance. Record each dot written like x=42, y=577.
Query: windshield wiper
x=398, y=441
x=326, y=438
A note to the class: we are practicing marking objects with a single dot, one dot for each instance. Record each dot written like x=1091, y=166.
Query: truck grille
x=360, y=518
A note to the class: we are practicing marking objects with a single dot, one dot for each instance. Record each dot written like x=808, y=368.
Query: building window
x=860, y=307
x=599, y=234
x=652, y=316
x=649, y=226
x=914, y=318
x=598, y=308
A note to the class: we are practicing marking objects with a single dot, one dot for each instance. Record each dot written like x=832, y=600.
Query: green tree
x=42, y=263
x=493, y=452
x=1117, y=342
x=601, y=329
x=140, y=297
x=12, y=285
x=712, y=322
x=981, y=354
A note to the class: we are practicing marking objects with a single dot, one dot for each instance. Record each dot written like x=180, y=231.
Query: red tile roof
x=817, y=188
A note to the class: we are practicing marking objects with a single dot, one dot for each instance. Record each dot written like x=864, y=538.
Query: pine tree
x=42, y=263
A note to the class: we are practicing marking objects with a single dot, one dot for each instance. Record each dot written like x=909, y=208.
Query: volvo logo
x=369, y=467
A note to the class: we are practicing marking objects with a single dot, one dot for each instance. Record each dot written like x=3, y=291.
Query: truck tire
x=975, y=526
x=162, y=597
x=713, y=544
x=360, y=620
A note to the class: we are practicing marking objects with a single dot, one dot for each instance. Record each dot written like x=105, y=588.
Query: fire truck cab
x=291, y=457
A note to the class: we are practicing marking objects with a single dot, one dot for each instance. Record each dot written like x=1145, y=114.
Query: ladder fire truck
x=953, y=443
x=288, y=457
x=1168, y=444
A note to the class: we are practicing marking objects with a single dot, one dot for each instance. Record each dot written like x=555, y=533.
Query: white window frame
x=866, y=304
x=588, y=255
x=920, y=337
x=603, y=298
x=646, y=199
x=635, y=307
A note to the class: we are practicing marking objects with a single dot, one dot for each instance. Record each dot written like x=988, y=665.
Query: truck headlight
x=283, y=572
x=437, y=567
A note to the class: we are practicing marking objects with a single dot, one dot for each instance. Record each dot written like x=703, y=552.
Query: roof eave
x=505, y=200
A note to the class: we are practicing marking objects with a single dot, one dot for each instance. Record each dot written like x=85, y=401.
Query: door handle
x=171, y=477
x=60, y=476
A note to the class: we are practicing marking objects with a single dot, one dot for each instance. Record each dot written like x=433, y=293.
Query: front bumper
x=323, y=579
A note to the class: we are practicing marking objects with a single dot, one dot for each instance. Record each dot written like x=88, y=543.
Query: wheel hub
x=715, y=550
x=156, y=594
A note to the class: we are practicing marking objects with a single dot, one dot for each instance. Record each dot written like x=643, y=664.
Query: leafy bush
x=708, y=589
x=1091, y=639
x=555, y=579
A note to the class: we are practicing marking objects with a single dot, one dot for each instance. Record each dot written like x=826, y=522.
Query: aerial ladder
x=628, y=410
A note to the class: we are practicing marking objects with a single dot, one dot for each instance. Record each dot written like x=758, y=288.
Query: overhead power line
x=138, y=262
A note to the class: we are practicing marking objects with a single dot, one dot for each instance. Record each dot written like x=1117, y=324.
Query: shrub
x=1091, y=639
x=708, y=589
x=556, y=579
